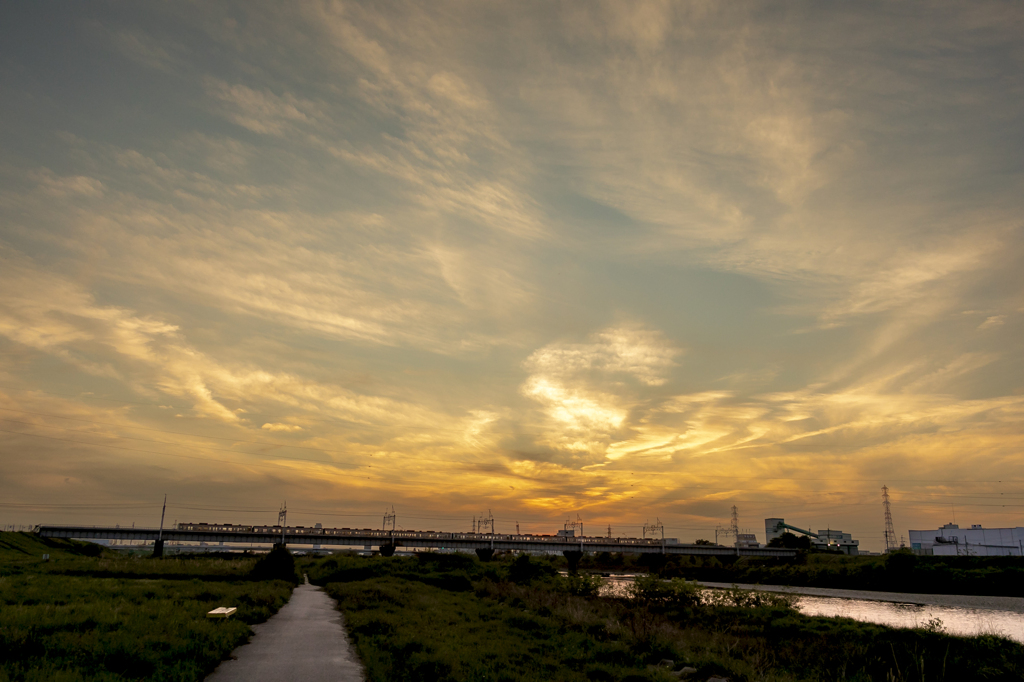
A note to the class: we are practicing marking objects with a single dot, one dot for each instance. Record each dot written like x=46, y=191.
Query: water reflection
x=956, y=620
x=964, y=616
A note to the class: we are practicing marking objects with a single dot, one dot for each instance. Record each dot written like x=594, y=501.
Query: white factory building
x=952, y=540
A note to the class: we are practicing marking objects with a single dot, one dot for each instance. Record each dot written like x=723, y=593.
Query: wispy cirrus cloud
x=412, y=234
x=262, y=111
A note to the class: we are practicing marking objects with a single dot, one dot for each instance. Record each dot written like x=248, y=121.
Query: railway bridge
x=485, y=544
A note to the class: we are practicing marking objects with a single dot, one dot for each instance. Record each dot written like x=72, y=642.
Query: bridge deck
x=418, y=539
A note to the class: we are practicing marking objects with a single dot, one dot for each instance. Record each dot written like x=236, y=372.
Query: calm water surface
x=960, y=615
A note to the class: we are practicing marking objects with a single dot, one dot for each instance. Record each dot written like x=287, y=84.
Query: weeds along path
x=87, y=614
x=304, y=641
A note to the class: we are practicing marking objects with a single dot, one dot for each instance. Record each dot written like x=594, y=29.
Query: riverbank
x=450, y=617
x=899, y=572
x=1010, y=604
x=85, y=614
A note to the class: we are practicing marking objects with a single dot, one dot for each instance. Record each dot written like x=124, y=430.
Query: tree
x=702, y=541
x=277, y=564
x=790, y=541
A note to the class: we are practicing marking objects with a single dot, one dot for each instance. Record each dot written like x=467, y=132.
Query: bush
x=581, y=585
x=747, y=599
x=523, y=571
x=649, y=590
x=278, y=564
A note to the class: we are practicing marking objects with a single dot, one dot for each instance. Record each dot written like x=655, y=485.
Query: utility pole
x=484, y=522
x=890, y=532
x=655, y=528
x=158, y=548
x=282, y=520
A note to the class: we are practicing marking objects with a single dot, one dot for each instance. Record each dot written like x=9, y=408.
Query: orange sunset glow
x=630, y=262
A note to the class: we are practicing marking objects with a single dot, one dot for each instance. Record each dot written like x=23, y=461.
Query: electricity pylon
x=890, y=532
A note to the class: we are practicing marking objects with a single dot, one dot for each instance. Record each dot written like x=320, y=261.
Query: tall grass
x=67, y=620
x=407, y=625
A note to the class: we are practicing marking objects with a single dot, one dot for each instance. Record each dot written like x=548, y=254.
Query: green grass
x=23, y=552
x=68, y=620
x=408, y=623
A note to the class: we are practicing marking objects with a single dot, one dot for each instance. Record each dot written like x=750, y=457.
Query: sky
x=620, y=261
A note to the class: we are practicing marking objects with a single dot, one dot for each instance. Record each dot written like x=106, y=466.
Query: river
x=959, y=615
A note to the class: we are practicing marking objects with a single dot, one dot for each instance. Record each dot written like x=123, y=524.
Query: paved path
x=303, y=641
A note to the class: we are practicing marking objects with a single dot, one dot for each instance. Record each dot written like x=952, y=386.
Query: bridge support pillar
x=573, y=557
x=387, y=550
x=485, y=554
x=158, y=549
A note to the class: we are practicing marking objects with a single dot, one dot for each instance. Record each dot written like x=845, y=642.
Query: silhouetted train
x=291, y=531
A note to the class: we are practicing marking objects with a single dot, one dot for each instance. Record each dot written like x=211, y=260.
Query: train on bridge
x=565, y=542
x=391, y=536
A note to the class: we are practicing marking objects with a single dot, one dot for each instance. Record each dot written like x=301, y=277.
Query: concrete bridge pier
x=387, y=550
x=158, y=549
x=573, y=557
x=485, y=554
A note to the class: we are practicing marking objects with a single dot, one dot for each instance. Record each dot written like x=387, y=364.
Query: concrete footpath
x=303, y=641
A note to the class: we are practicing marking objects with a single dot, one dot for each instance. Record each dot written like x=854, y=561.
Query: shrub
x=523, y=571
x=648, y=590
x=581, y=585
x=278, y=564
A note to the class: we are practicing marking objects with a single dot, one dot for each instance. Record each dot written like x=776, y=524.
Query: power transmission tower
x=654, y=529
x=389, y=518
x=517, y=528
x=890, y=532
x=732, y=530
x=609, y=530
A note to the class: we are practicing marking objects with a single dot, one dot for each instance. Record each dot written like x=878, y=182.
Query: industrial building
x=746, y=540
x=952, y=540
x=827, y=540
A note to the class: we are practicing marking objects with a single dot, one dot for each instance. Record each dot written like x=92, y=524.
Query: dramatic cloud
x=631, y=260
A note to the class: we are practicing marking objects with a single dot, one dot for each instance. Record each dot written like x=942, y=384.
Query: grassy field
x=452, y=618
x=87, y=614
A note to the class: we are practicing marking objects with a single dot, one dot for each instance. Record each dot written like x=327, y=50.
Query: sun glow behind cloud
x=535, y=258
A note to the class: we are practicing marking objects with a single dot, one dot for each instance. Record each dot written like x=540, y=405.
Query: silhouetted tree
x=790, y=541
x=278, y=564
